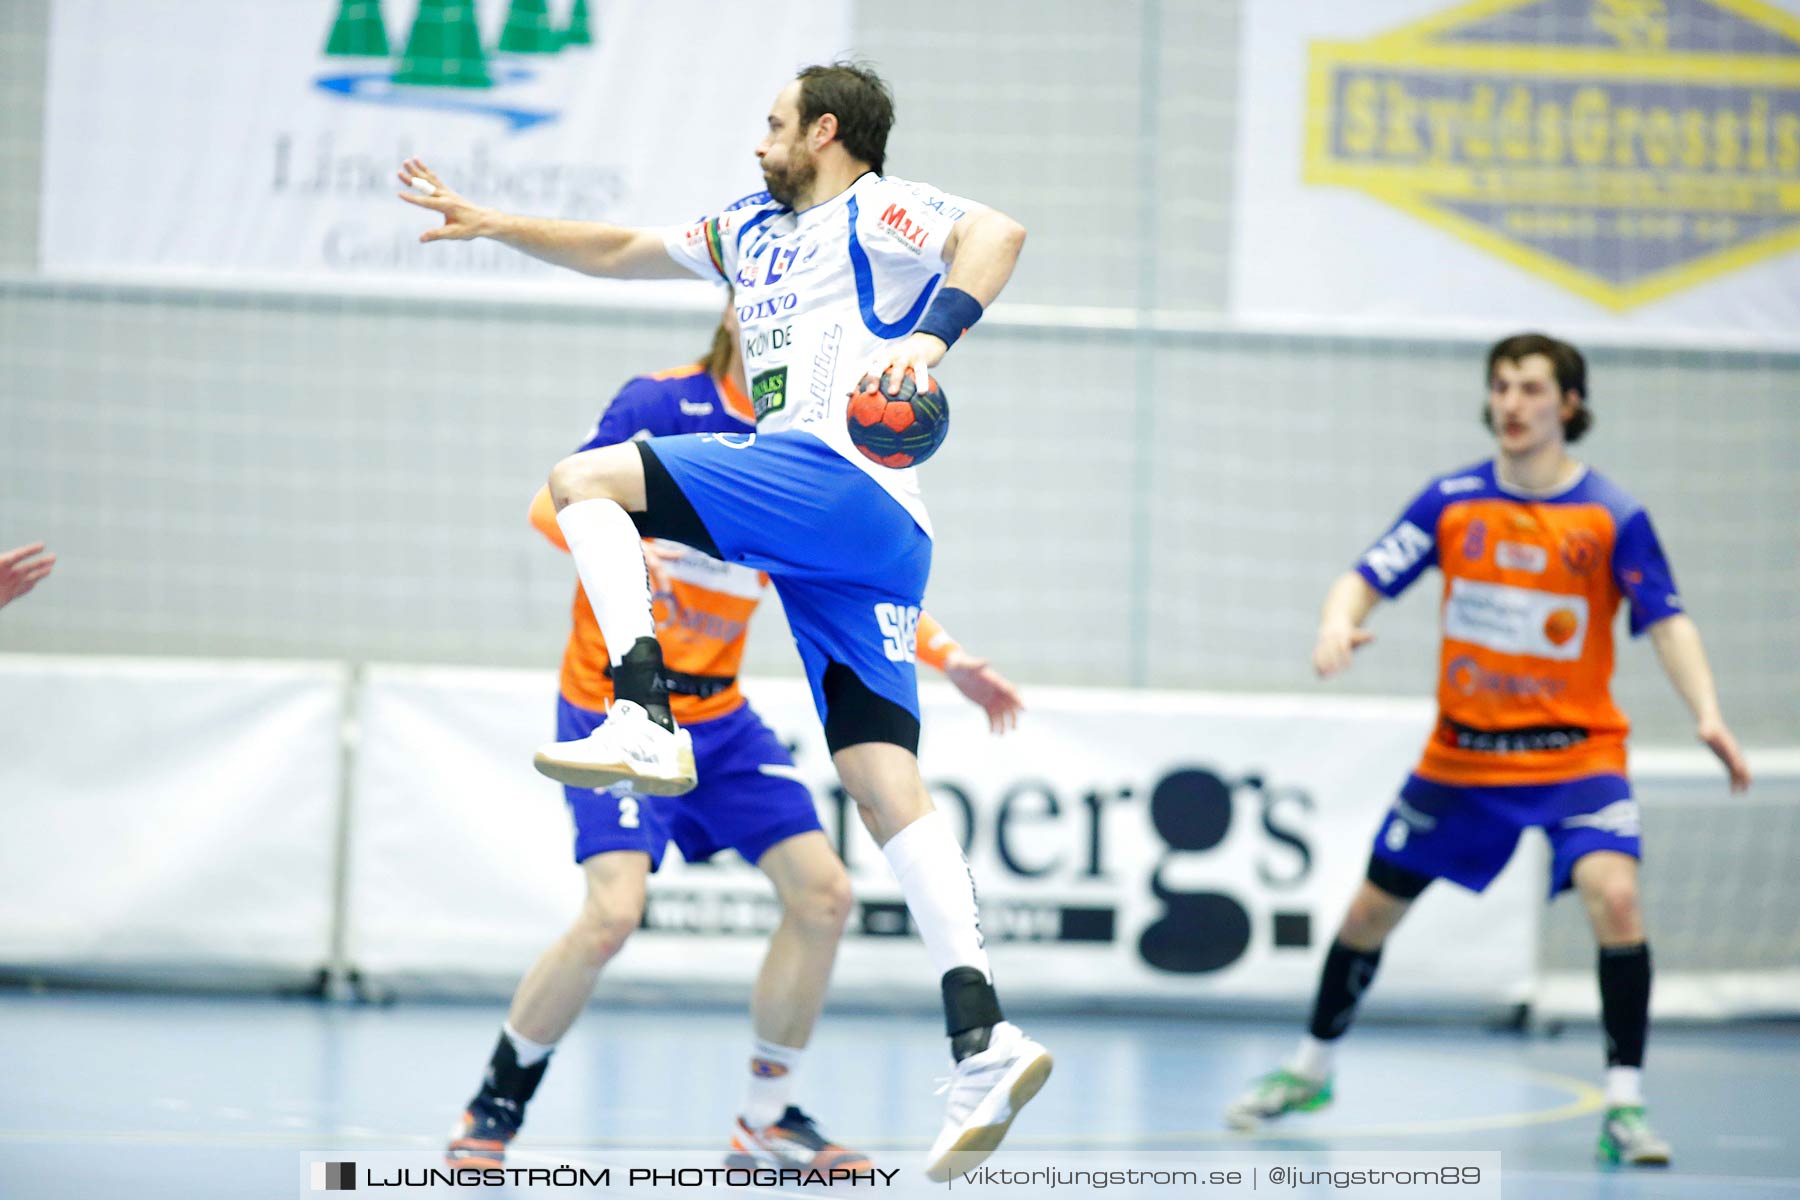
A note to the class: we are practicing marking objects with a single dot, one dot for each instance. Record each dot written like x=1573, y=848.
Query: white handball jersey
x=818, y=292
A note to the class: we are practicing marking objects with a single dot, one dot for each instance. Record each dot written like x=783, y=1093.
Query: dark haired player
x=837, y=271
x=747, y=800
x=1537, y=552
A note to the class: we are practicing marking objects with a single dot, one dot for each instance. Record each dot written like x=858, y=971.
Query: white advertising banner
x=168, y=813
x=1584, y=165
x=1127, y=845
x=208, y=139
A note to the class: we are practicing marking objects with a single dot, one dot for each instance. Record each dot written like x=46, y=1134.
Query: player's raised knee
x=609, y=473
x=570, y=481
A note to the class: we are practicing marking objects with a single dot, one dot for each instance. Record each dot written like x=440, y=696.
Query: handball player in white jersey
x=837, y=271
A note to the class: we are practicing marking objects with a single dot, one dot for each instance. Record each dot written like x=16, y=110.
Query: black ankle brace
x=971, y=1010
x=639, y=678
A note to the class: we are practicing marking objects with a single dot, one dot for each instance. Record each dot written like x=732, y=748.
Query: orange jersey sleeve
x=935, y=645
x=543, y=519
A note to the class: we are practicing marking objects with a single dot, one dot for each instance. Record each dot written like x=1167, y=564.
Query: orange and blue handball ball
x=902, y=430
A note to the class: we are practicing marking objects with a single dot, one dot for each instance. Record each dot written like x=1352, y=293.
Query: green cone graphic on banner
x=528, y=29
x=358, y=31
x=444, y=48
x=578, y=34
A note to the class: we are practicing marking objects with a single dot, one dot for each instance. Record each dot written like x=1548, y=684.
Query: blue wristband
x=952, y=313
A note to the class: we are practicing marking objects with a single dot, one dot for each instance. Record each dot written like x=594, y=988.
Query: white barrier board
x=1127, y=845
x=168, y=813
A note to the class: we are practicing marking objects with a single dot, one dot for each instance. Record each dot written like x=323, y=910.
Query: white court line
x=1585, y=1099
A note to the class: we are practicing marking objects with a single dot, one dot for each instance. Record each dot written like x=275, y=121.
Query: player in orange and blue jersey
x=1538, y=552
x=747, y=800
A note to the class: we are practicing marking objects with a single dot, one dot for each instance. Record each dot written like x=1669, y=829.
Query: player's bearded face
x=789, y=168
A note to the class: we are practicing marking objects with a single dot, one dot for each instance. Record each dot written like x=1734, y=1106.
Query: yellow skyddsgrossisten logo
x=1622, y=149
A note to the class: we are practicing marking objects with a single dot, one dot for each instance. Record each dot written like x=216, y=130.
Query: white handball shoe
x=1626, y=1138
x=986, y=1092
x=628, y=748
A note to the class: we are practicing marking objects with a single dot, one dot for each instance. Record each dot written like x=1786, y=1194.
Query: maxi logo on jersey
x=899, y=226
x=1621, y=149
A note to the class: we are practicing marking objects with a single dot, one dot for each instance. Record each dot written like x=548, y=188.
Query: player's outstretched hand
x=462, y=220
x=917, y=352
x=1336, y=646
x=988, y=688
x=21, y=569
x=1718, y=739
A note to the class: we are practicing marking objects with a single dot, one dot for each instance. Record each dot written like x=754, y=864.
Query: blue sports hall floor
x=159, y=1095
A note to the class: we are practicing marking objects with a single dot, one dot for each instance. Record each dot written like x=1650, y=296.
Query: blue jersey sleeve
x=1401, y=555
x=640, y=410
x=1642, y=573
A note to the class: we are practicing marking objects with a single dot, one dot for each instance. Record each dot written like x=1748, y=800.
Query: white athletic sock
x=609, y=557
x=528, y=1052
x=772, y=1070
x=1624, y=1086
x=940, y=893
x=1313, y=1059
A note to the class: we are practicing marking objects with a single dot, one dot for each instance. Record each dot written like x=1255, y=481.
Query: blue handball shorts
x=747, y=798
x=1467, y=834
x=848, y=561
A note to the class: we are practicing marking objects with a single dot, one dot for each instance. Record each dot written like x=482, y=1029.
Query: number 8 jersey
x=1531, y=585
